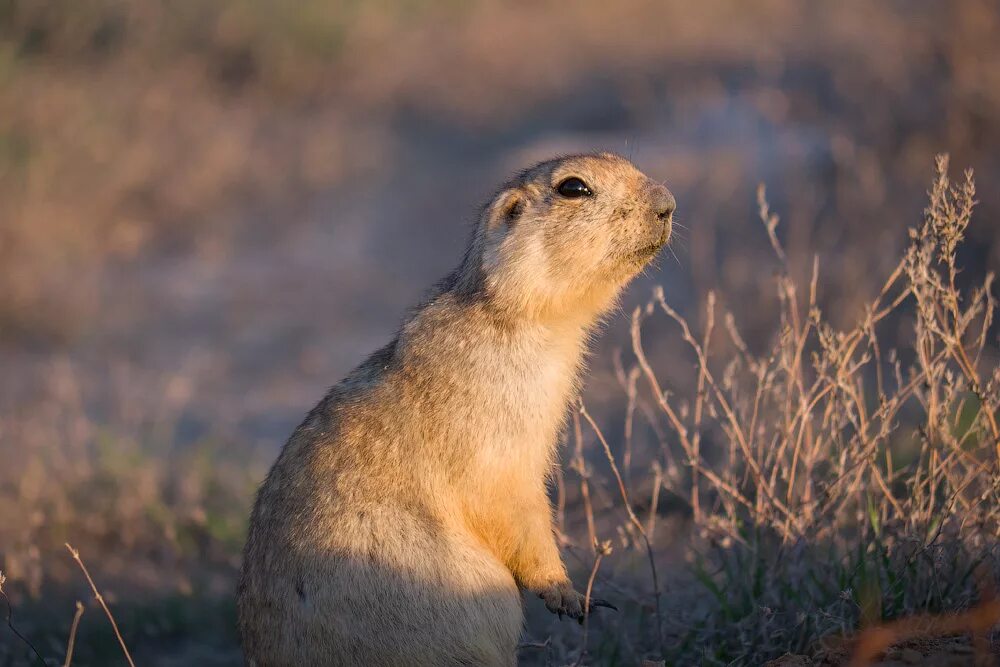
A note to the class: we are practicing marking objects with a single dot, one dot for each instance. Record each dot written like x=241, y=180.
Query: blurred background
x=211, y=211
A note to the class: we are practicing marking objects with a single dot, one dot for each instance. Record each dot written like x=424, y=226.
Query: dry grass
x=835, y=480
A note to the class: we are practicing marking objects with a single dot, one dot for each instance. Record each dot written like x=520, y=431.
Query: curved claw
x=598, y=602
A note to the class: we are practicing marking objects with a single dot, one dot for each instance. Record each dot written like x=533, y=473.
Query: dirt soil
x=940, y=652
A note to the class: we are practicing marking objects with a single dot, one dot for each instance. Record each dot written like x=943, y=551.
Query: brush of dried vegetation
x=835, y=480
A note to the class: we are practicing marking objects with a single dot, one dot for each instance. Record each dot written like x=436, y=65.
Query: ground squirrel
x=407, y=512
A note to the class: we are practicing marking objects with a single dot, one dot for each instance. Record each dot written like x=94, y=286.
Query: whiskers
x=679, y=237
x=674, y=254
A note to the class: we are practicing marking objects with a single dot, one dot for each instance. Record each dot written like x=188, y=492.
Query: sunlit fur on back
x=409, y=509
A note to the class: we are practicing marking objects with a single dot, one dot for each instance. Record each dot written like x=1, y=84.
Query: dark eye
x=574, y=187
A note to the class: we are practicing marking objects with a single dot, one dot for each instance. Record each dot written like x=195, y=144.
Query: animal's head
x=565, y=235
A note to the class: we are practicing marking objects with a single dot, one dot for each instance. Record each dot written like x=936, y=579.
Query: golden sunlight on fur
x=408, y=511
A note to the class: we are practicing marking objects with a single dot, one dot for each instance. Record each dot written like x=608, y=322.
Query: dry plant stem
x=795, y=382
x=673, y=418
x=811, y=446
x=960, y=355
x=958, y=329
x=72, y=634
x=699, y=405
x=580, y=465
x=970, y=372
x=854, y=338
x=10, y=623
x=600, y=550
x=737, y=432
x=885, y=413
x=100, y=600
x=649, y=414
x=770, y=221
x=654, y=502
x=633, y=519
x=654, y=385
x=628, y=385
x=987, y=293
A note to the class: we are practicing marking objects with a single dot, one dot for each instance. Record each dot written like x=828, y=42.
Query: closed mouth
x=654, y=248
x=645, y=253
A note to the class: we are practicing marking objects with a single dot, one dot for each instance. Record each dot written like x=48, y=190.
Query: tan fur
x=409, y=509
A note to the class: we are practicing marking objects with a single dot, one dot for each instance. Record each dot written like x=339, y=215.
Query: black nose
x=663, y=202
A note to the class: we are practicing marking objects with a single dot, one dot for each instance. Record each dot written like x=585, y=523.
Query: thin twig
x=100, y=600
x=699, y=404
x=632, y=518
x=10, y=622
x=600, y=550
x=737, y=430
x=579, y=464
x=72, y=634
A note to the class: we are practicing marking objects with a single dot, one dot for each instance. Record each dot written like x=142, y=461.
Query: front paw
x=560, y=598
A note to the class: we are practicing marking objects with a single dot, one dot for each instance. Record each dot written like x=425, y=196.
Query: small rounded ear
x=506, y=208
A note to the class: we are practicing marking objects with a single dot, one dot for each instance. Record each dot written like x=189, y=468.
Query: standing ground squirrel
x=407, y=512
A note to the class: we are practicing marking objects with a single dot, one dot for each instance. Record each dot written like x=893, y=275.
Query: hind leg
x=458, y=606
